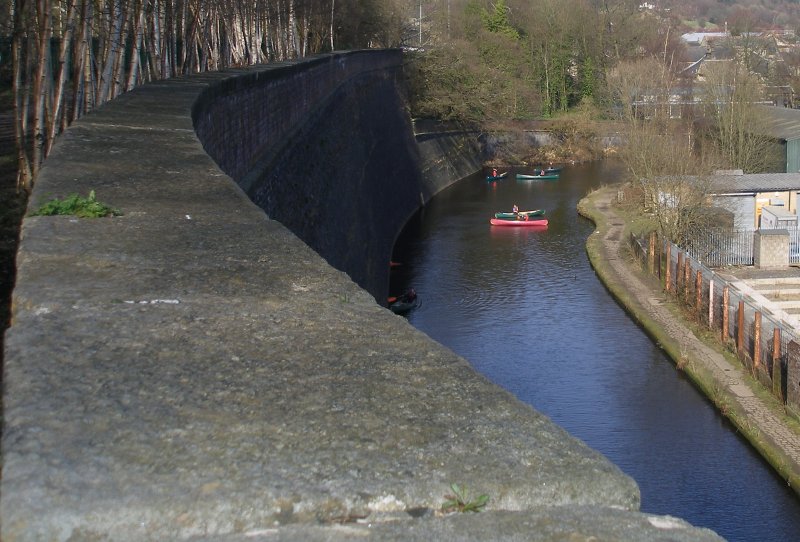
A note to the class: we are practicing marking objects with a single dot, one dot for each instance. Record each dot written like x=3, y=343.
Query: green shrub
x=77, y=206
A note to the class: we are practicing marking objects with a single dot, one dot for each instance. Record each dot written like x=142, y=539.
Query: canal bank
x=755, y=413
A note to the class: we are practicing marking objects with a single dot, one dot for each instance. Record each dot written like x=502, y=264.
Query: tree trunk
x=138, y=30
x=24, y=174
x=78, y=58
x=113, y=51
x=294, y=50
x=43, y=15
x=333, y=5
x=61, y=77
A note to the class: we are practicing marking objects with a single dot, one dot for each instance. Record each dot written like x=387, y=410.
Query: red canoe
x=531, y=222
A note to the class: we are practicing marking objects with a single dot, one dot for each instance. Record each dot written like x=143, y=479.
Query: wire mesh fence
x=728, y=308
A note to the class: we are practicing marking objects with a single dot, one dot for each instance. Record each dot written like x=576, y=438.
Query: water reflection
x=526, y=309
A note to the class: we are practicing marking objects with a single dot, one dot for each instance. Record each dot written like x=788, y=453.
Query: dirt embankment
x=560, y=141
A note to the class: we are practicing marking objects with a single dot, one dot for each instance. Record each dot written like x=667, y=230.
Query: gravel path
x=766, y=421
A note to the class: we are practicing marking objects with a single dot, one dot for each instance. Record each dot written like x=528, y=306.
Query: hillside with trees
x=519, y=60
x=470, y=61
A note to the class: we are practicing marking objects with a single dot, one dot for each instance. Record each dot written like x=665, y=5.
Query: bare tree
x=21, y=53
x=114, y=45
x=660, y=151
x=734, y=126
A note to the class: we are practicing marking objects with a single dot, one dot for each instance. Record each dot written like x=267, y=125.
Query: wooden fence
x=766, y=345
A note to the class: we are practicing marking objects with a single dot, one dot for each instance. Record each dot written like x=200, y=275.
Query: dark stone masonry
x=213, y=364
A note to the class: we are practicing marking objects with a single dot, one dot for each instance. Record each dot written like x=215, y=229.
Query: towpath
x=761, y=420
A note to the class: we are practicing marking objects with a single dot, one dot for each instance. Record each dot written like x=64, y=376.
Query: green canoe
x=546, y=177
x=508, y=216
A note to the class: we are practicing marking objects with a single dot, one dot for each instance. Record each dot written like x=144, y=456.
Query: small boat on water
x=538, y=177
x=404, y=303
x=512, y=215
x=519, y=222
x=497, y=177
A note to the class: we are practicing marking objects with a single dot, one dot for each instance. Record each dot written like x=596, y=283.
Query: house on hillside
x=766, y=54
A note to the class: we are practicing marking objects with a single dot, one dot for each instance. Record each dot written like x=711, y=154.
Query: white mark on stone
x=261, y=532
x=153, y=302
x=42, y=310
x=387, y=503
x=665, y=522
x=188, y=217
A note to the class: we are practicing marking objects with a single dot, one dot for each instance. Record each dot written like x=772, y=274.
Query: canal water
x=526, y=309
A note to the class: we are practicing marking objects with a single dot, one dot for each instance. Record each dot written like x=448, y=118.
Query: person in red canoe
x=515, y=209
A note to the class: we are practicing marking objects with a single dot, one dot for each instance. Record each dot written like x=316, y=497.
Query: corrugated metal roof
x=783, y=122
x=754, y=182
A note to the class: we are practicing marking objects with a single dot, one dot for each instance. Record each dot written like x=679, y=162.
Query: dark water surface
x=526, y=309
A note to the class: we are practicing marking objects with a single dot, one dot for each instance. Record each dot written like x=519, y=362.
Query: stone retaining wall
x=192, y=370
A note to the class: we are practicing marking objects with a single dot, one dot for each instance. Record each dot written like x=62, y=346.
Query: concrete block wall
x=771, y=249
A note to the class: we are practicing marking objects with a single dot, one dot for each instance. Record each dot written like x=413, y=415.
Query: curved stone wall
x=193, y=370
x=327, y=149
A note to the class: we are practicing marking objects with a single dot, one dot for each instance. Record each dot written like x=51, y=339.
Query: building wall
x=743, y=208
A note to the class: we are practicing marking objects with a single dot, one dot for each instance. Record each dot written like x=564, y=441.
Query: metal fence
x=720, y=247
x=760, y=338
x=794, y=245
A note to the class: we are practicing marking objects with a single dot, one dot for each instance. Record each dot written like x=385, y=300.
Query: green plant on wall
x=77, y=206
x=460, y=500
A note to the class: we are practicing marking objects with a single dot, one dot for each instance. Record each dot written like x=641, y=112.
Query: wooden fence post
x=687, y=275
x=679, y=274
x=711, y=303
x=757, y=341
x=777, y=373
x=660, y=256
x=651, y=253
x=668, y=279
x=740, y=330
x=698, y=291
x=726, y=299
